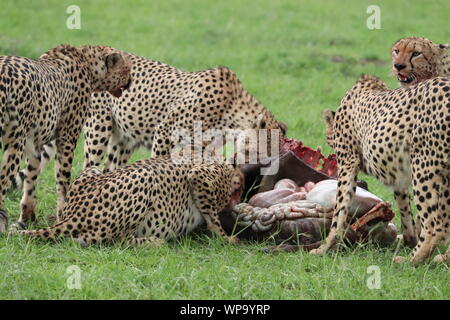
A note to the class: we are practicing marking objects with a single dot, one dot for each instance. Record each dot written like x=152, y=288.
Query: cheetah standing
x=47, y=100
x=162, y=99
x=401, y=137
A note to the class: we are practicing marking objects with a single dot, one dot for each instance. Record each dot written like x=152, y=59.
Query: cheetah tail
x=3, y=99
x=51, y=233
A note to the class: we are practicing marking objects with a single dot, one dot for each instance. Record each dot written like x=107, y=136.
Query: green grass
x=297, y=58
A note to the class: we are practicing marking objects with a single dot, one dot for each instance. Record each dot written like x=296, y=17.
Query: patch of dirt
x=340, y=59
x=375, y=61
x=341, y=42
x=10, y=46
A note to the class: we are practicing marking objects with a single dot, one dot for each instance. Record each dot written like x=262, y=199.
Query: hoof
x=3, y=221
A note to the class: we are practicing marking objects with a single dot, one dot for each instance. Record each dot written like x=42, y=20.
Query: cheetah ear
x=233, y=163
x=260, y=122
x=328, y=116
x=283, y=127
x=443, y=48
x=113, y=60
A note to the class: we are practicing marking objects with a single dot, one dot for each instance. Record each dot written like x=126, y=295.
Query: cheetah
x=160, y=100
x=417, y=59
x=47, y=100
x=328, y=117
x=146, y=202
x=401, y=137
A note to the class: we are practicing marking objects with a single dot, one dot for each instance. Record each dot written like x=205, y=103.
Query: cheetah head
x=230, y=183
x=416, y=59
x=257, y=143
x=237, y=187
x=110, y=69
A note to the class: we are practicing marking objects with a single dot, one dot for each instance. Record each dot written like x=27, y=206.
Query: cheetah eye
x=416, y=53
x=396, y=51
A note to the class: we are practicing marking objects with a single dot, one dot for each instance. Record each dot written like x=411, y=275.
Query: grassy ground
x=297, y=58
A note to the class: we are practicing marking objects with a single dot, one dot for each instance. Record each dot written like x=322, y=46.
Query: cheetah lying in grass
x=148, y=201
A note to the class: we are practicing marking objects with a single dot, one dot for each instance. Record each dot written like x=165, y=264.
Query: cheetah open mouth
x=405, y=78
x=236, y=192
x=235, y=197
x=118, y=92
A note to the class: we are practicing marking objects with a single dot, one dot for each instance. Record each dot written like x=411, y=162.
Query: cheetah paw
x=233, y=240
x=319, y=251
x=441, y=258
x=399, y=259
x=157, y=242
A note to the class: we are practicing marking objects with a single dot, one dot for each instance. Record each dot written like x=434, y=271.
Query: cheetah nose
x=399, y=66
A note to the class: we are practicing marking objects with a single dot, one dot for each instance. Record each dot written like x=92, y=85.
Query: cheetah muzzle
x=118, y=91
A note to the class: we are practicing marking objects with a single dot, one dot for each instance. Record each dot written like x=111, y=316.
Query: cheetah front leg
x=206, y=198
x=97, y=130
x=63, y=168
x=47, y=153
x=162, y=140
x=28, y=202
x=119, y=152
x=347, y=173
x=445, y=221
x=13, y=152
x=213, y=224
x=408, y=227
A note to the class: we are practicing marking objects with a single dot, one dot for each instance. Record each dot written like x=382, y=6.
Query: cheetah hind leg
x=208, y=206
x=47, y=153
x=409, y=230
x=346, y=191
x=445, y=202
x=432, y=204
